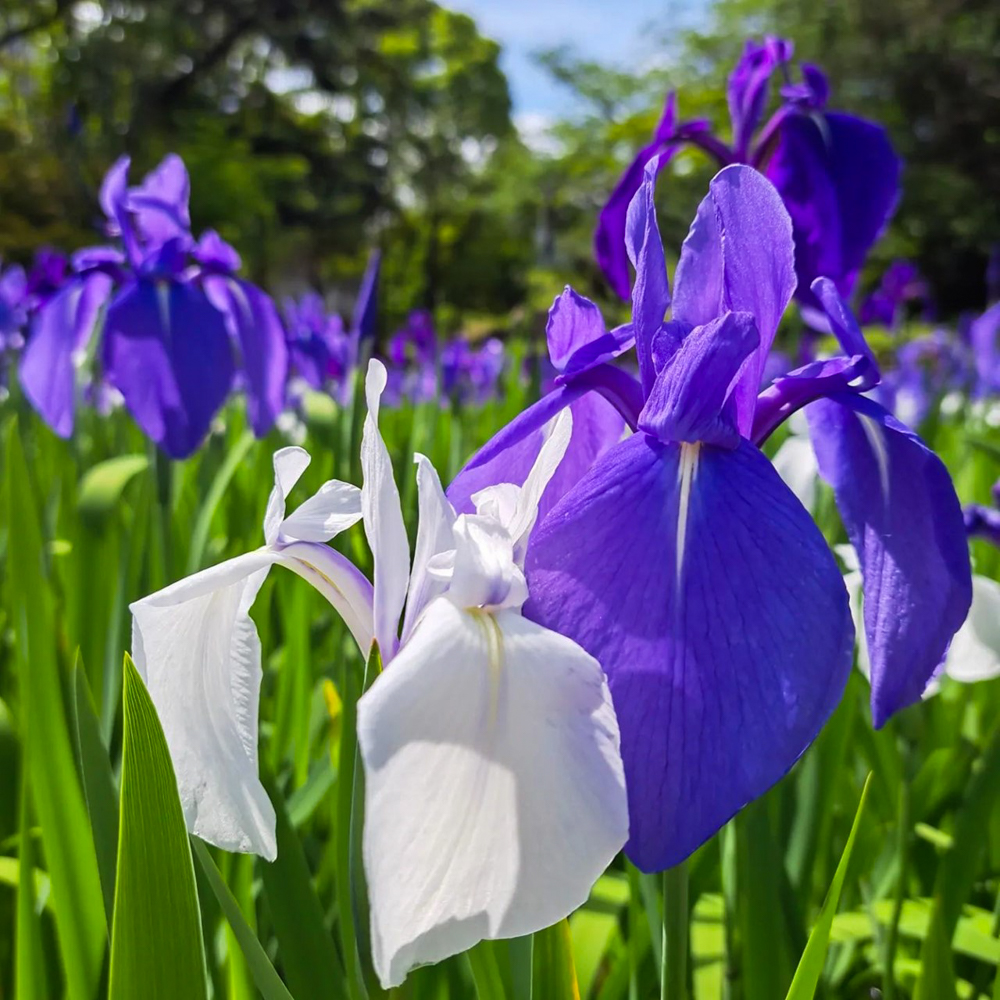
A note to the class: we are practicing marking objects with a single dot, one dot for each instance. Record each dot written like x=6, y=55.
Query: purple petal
x=843, y=325
x=742, y=260
x=688, y=399
x=717, y=611
x=253, y=320
x=651, y=292
x=60, y=328
x=160, y=202
x=839, y=179
x=575, y=324
x=112, y=197
x=215, y=254
x=609, y=238
x=747, y=90
x=167, y=351
x=905, y=522
x=365, y=314
x=983, y=333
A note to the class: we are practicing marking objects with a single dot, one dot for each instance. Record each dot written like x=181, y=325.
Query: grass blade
x=810, y=967
x=156, y=942
x=308, y=957
x=266, y=979
x=553, y=974
x=98, y=786
x=55, y=788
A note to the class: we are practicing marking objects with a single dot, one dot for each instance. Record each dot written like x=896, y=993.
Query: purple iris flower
x=984, y=522
x=48, y=273
x=684, y=564
x=176, y=317
x=471, y=375
x=925, y=369
x=984, y=340
x=415, y=342
x=318, y=346
x=837, y=174
x=902, y=283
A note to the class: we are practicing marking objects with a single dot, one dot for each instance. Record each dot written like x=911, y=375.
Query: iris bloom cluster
x=178, y=324
x=836, y=173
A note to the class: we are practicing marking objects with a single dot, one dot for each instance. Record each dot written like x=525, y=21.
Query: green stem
x=902, y=853
x=673, y=980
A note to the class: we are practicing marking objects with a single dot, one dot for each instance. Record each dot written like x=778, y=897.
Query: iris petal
x=167, y=351
x=494, y=796
x=899, y=507
x=716, y=609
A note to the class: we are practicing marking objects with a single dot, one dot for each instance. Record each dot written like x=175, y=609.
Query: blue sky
x=609, y=30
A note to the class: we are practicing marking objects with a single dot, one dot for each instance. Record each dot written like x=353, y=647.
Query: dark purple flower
x=13, y=306
x=837, y=174
x=415, y=342
x=683, y=563
x=901, y=284
x=984, y=522
x=176, y=315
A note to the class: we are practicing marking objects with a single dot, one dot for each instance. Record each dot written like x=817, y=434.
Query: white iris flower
x=495, y=793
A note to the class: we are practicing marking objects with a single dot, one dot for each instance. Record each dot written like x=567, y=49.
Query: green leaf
x=156, y=941
x=98, y=786
x=553, y=972
x=810, y=967
x=203, y=522
x=101, y=486
x=29, y=966
x=267, y=980
x=937, y=974
x=308, y=956
x=485, y=965
x=352, y=896
x=55, y=788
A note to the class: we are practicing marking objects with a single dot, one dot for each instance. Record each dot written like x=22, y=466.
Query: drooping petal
x=688, y=399
x=197, y=649
x=747, y=90
x=975, y=651
x=61, y=327
x=902, y=516
x=253, y=320
x=839, y=179
x=843, y=325
x=113, y=198
x=435, y=534
x=167, y=351
x=494, y=795
x=715, y=607
x=215, y=254
x=383, y=520
x=651, y=291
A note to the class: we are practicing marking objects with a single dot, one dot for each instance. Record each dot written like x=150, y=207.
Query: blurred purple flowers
x=836, y=173
x=178, y=322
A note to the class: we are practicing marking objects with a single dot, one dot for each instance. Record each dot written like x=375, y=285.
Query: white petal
x=848, y=556
x=499, y=502
x=332, y=509
x=485, y=574
x=558, y=432
x=383, y=518
x=339, y=581
x=435, y=536
x=289, y=464
x=975, y=651
x=197, y=649
x=795, y=462
x=494, y=789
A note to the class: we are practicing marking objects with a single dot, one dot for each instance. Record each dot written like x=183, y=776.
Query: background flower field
x=397, y=134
